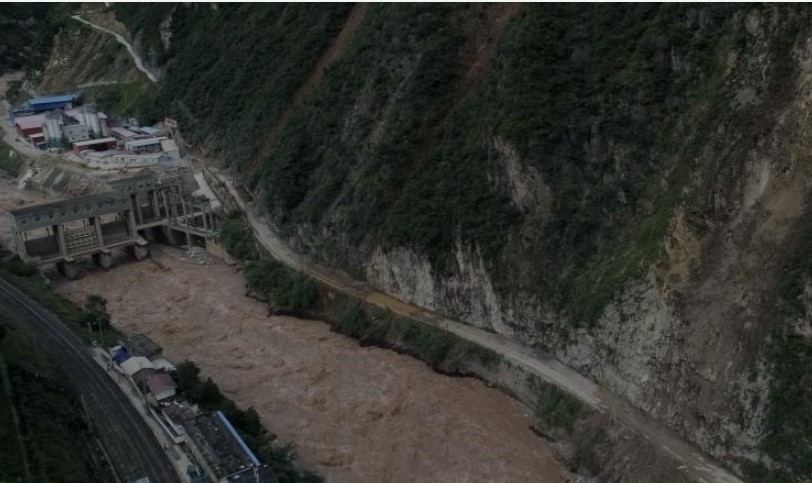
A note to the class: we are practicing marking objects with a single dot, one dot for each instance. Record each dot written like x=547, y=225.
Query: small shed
x=138, y=368
x=161, y=385
x=119, y=354
x=122, y=133
x=141, y=345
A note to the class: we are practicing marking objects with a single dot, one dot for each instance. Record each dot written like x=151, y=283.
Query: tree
x=95, y=314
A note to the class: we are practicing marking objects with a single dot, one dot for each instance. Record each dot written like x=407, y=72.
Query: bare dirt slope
x=327, y=59
x=355, y=414
x=11, y=198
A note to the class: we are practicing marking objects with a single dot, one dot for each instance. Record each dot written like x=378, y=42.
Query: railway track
x=131, y=447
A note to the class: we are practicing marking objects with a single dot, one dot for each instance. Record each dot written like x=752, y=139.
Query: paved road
x=131, y=447
x=686, y=457
x=138, y=61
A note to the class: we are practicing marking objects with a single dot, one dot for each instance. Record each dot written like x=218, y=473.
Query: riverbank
x=355, y=413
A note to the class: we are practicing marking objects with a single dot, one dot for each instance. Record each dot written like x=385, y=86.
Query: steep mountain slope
x=625, y=185
x=25, y=33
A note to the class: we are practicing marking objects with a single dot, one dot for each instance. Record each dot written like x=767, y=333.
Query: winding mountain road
x=138, y=61
x=687, y=458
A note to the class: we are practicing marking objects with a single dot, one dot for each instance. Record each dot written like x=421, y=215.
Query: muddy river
x=355, y=414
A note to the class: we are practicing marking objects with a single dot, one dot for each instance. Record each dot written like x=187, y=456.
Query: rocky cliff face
x=625, y=186
x=689, y=340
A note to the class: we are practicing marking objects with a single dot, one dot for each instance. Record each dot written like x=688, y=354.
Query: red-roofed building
x=161, y=385
x=28, y=125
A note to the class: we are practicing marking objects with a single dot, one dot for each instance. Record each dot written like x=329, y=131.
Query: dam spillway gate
x=135, y=210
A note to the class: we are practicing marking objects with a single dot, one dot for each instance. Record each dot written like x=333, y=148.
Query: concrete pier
x=103, y=260
x=68, y=269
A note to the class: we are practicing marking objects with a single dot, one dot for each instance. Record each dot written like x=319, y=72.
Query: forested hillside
x=40, y=422
x=624, y=185
x=26, y=34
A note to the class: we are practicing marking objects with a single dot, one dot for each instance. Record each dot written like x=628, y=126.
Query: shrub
x=554, y=406
x=237, y=237
x=431, y=344
x=353, y=321
x=283, y=287
x=10, y=160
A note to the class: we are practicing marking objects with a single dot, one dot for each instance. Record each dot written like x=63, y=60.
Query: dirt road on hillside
x=357, y=414
x=136, y=58
x=687, y=458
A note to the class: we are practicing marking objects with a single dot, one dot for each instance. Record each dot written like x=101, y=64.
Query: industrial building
x=143, y=146
x=221, y=451
x=123, y=134
x=53, y=122
x=103, y=144
x=49, y=103
x=76, y=133
x=29, y=126
x=148, y=130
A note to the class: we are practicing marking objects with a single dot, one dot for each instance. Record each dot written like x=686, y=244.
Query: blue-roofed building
x=48, y=103
x=119, y=354
x=221, y=452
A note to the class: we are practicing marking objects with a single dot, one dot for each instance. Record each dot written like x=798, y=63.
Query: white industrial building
x=75, y=133
x=143, y=146
x=63, y=128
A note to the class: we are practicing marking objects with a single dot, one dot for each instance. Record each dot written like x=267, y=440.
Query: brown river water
x=355, y=414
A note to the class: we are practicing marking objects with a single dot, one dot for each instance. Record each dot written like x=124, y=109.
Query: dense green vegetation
x=789, y=420
x=121, y=101
x=438, y=348
x=12, y=451
x=144, y=20
x=356, y=138
x=610, y=103
x=209, y=86
x=10, y=161
x=283, y=287
x=27, y=278
x=26, y=33
x=554, y=406
x=208, y=396
x=237, y=237
x=39, y=419
x=627, y=112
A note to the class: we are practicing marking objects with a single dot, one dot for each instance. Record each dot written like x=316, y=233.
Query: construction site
x=63, y=125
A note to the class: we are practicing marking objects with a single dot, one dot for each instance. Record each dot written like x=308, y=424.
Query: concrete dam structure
x=136, y=211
